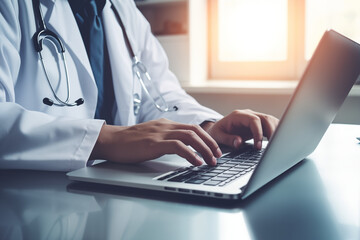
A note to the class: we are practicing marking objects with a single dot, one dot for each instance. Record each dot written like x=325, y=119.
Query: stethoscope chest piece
x=137, y=103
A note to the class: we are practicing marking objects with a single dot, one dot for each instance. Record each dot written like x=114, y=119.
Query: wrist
x=101, y=142
x=206, y=125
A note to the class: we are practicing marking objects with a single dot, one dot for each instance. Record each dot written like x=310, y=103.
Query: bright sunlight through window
x=252, y=30
x=273, y=39
x=342, y=16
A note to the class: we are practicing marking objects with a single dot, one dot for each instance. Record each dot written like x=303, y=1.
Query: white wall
x=272, y=104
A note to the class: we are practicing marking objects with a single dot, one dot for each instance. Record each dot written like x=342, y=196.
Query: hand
x=153, y=139
x=240, y=126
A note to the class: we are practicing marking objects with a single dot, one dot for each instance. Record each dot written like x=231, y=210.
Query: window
x=343, y=16
x=273, y=39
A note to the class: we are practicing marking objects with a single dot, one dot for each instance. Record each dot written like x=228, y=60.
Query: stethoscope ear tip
x=79, y=101
x=48, y=101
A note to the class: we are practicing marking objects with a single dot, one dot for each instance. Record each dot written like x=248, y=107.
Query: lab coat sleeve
x=30, y=139
x=154, y=57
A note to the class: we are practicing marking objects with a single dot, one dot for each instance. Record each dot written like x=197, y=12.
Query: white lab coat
x=36, y=136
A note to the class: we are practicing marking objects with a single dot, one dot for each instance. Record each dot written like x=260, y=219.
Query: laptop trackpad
x=148, y=169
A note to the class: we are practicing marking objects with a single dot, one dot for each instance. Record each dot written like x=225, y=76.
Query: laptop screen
x=326, y=82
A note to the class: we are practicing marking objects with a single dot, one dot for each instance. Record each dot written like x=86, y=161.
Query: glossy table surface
x=317, y=199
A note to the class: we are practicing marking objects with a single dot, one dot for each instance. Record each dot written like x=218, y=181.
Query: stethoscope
x=43, y=33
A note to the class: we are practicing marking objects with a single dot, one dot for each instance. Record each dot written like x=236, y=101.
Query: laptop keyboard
x=229, y=168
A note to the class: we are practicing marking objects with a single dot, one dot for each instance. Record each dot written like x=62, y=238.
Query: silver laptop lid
x=327, y=80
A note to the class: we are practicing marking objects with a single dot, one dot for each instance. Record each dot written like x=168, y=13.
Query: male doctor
x=113, y=117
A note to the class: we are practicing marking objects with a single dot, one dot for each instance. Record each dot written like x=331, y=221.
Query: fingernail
x=213, y=161
x=199, y=160
x=218, y=152
x=237, y=143
x=258, y=145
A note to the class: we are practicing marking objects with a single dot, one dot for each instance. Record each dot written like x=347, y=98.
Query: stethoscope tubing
x=40, y=35
x=138, y=67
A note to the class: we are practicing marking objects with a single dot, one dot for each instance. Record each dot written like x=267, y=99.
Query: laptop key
x=195, y=181
x=216, y=171
x=201, y=177
x=204, y=167
x=220, y=161
x=198, y=169
x=222, y=184
x=209, y=174
x=230, y=172
x=167, y=176
x=225, y=176
x=212, y=183
x=230, y=164
x=219, y=178
x=183, y=177
x=222, y=167
x=245, y=163
x=230, y=155
x=239, y=167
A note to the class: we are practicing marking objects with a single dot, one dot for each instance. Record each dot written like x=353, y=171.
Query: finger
x=256, y=130
x=273, y=125
x=209, y=141
x=189, y=137
x=269, y=124
x=230, y=140
x=253, y=122
x=179, y=148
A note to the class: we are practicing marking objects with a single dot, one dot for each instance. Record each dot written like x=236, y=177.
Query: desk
x=318, y=199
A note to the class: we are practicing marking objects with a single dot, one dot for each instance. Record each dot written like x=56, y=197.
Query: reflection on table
x=317, y=199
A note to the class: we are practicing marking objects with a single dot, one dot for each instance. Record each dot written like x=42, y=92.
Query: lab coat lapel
x=121, y=65
x=60, y=19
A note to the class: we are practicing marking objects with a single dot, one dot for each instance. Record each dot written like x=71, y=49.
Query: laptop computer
x=325, y=83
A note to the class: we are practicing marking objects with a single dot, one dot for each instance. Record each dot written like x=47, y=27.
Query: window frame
x=289, y=69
